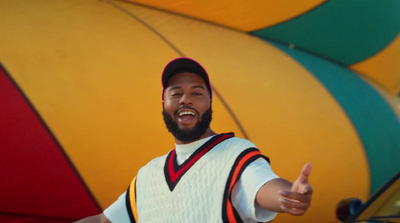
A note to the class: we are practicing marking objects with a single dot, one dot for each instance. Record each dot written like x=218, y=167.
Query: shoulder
x=160, y=158
x=240, y=142
x=156, y=162
x=233, y=147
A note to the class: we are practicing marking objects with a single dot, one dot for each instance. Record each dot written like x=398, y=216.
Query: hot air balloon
x=306, y=81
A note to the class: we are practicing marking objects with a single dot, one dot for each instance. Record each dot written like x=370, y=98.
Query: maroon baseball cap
x=185, y=64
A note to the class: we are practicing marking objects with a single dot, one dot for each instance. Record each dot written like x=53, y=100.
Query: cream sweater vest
x=198, y=190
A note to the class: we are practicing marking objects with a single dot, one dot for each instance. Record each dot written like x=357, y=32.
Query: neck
x=208, y=133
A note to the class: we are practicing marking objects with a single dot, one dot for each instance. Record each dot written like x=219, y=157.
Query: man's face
x=187, y=106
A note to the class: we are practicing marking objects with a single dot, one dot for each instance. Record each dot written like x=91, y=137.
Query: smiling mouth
x=186, y=117
x=183, y=113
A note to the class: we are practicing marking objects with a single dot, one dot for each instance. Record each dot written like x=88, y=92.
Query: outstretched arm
x=282, y=196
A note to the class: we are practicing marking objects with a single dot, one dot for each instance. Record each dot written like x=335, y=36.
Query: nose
x=185, y=99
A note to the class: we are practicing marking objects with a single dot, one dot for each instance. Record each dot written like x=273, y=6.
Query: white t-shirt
x=244, y=192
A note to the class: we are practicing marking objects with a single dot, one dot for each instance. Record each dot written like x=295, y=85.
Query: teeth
x=186, y=113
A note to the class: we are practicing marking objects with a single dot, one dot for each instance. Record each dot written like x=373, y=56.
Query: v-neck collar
x=183, y=151
x=174, y=172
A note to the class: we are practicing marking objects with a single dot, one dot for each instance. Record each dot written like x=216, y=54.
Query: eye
x=197, y=93
x=174, y=91
x=176, y=94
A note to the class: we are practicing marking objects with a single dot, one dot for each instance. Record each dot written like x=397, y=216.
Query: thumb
x=305, y=172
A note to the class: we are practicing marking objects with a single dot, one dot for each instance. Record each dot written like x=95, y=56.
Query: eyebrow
x=193, y=87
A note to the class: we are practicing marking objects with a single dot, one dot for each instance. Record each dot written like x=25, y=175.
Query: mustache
x=185, y=107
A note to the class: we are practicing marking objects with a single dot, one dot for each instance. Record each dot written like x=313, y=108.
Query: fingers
x=296, y=206
x=293, y=211
x=297, y=197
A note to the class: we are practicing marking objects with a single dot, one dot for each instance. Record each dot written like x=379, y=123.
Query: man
x=208, y=177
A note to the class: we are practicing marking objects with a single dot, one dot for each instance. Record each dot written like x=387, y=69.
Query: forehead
x=185, y=78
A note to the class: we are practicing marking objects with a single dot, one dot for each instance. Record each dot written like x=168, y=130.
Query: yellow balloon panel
x=384, y=67
x=242, y=15
x=83, y=74
x=96, y=83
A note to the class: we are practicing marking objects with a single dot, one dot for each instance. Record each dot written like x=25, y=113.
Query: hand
x=298, y=199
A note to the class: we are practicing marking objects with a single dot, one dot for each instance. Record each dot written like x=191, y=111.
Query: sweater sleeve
x=118, y=212
x=245, y=190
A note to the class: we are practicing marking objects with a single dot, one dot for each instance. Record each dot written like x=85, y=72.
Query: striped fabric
x=131, y=201
x=229, y=214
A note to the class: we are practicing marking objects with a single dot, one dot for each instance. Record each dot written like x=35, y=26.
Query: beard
x=187, y=135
